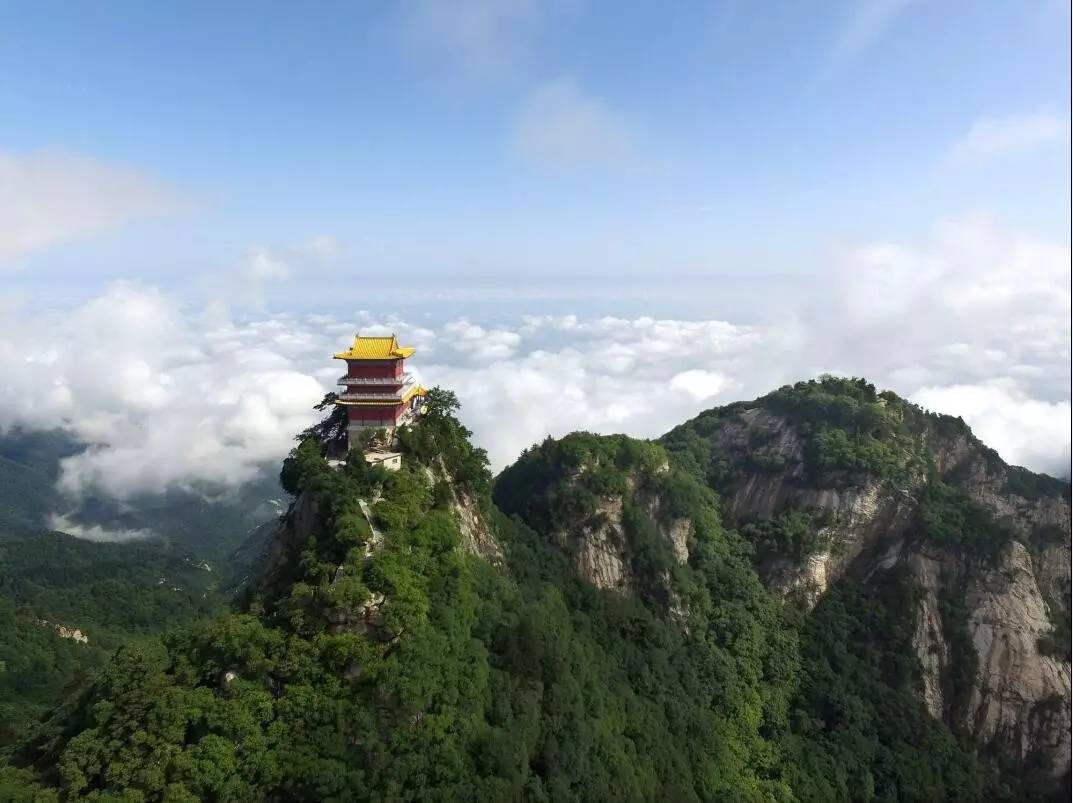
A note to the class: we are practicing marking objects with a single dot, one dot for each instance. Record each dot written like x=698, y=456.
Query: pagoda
x=378, y=391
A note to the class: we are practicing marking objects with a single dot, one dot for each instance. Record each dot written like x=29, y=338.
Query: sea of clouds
x=164, y=394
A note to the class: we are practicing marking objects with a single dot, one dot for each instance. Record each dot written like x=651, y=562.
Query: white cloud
x=474, y=343
x=975, y=302
x=162, y=398
x=975, y=306
x=265, y=266
x=48, y=198
x=95, y=532
x=605, y=375
x=323, y=246
x=699, y=384
x=561, y=126
x=1025, y=431
x=996, y=138
x=975, y=321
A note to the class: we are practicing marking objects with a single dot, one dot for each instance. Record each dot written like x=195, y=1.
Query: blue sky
x=646, y=208
x=503, y=140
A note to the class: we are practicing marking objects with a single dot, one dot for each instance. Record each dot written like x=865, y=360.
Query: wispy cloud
x=867, y=24
x=96, y=532
x=483, y=38
x=561, y=126
x=265, y=264
x=1000, y=137
x=49, y=197
x=263, y=267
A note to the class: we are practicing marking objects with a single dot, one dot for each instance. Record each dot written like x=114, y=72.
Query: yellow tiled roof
x=375, y=348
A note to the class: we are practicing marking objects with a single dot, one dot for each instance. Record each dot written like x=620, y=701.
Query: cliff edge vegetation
x=788, y=599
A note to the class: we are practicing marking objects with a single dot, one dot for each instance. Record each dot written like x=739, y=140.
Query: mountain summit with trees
x=823, y=594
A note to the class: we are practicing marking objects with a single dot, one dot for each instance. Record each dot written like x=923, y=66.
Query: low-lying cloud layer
x=95, y=532
x=975, y=322
x=161, y=397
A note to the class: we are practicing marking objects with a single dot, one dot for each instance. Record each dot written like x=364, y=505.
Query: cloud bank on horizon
x=500, y=164
x=977, y=324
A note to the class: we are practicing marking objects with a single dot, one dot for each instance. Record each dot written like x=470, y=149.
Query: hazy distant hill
x=110, y=593
x=212, y=523
x=66, y=604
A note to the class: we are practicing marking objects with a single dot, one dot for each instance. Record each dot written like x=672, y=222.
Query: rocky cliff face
x=599, y=545
x=1018, y=701
x=477, y=536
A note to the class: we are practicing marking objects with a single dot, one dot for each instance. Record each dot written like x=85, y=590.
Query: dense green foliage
x=378, y=660
x=694, y=448
x=29, y=466
x=849, y=429
x=950, y=518
x=860, y=730
x=112, y=593
x=440, y=438
x=957, y=680
x=461, y=683
x=1056, y=642
x=727, y=677
x=37, y=668
x=792, y=534
x=1034, y=486
x=559, y=483
x=849, y=426
x=852, y=435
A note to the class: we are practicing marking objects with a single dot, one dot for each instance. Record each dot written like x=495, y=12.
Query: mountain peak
x=821, y=591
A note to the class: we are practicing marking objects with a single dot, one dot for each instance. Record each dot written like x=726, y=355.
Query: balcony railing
x=368, y=395
x=374, y=380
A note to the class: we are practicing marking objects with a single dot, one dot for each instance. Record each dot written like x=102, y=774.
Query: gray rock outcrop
x=1019, y=701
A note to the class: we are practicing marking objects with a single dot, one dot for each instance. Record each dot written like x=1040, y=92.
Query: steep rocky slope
x=602, y=502
x=833, y=482
x=987, y=546
x=825, y=594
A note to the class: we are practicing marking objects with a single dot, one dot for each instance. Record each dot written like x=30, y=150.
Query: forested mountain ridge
x=67, y=604
x=590, y=626
x=54, y=586
x=834, y=481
